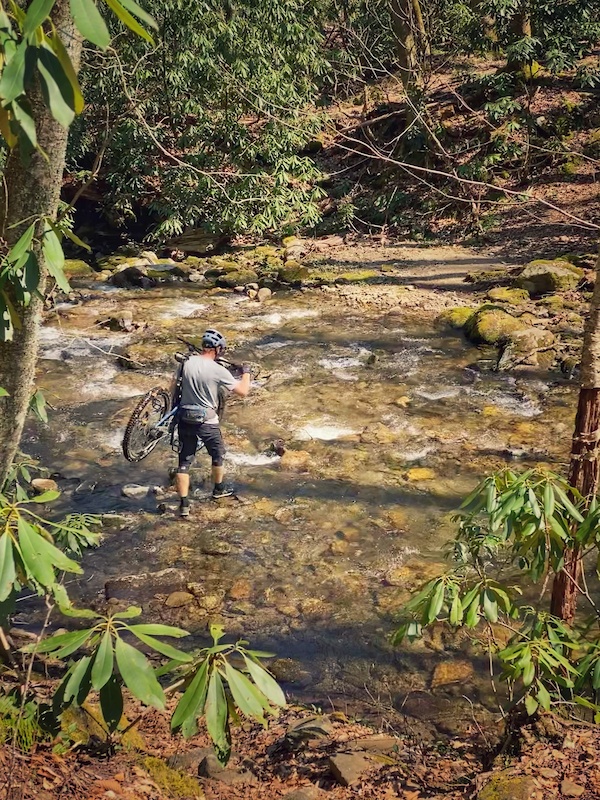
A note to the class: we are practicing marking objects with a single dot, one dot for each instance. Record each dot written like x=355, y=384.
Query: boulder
x=530, y=347
x=167, y=269
x=455, y=318
x=490, y=324
x=131, y=278
x=544, y=277
x=293, y=273
x=75, y=268
x=263, y=294
x=149, y=256
x=287, y=670
x=239, y=277
x=179, y=599
x=503, y=294
x=507, y=786
x=211, y=768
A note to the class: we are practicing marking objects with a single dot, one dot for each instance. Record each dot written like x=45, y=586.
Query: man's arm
x=242, y=387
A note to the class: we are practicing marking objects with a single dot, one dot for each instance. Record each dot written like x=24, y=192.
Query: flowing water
x=387, y=422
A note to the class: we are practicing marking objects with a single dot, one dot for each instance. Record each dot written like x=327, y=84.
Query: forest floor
x=308, y=756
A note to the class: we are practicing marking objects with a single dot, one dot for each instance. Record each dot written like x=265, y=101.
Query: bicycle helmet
x=212, y=339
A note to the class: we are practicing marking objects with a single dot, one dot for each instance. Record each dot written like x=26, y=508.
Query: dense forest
x=390, y=208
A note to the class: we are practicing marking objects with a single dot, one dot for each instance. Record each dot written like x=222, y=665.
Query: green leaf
x=217, y=632
x=31, y=273
x=45, y=497
x=128, y=20
x=138, y=675
x=103, y=662
x=56, y=87
x=111, y=703
x=192, y=701
x=266, y=683
x=12, y=82
x=79, y=684
x=490, y=606
x=139, y=12
x=41, y=569
x=22, y=245
x=216, y=715
x=54, y=257
x=573, y=512
x=78, y=613
x=153, y=629
x=436, y=603
x=528, y=673
x=244, y=694
x=543, y=697
x=78, y=102
x=456, y=611
x=130, y=613
x=472, y=618
x=596, y=675
x=89, y=22
x=163, y=648
x=531, y=705
x=4, y=393
x=38, y=11
x=64, y=643
x=75, y=239
x=21, y=111
x=549, y=501
x=8, y=575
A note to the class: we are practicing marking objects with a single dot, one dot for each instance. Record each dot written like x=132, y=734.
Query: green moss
x=497, y=277
x=263, y=252
x=85, y=724
x=173, y=782
x=358, y=276
x=554, y=302
x=456, y=318
x=508, y=787
x=239, y=277
x=113, y=262
x=502, y=294
x=490, y=324
x=293, y=273
x=76, y=268
x=544, y=276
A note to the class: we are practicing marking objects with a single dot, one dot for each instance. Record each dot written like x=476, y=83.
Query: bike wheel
x=140, y=439
x=221, y=405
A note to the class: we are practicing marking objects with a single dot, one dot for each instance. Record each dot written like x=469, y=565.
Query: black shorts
x=190, y=437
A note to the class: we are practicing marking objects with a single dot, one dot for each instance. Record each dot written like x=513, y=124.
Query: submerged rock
x=293, y=273
x=134, y=491
x=451, y=672
x=531, y=347
x=131, y=278
x=42, y=485
x=239, y=277
x=544, y=277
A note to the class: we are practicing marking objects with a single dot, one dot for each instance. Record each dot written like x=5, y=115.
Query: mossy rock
x=553, y=302
x=502, y=294
x=359, y=276
x=76, y=268
x=173, y=782
x=113, y=262
x=264, y=251
x=505, y=786
x=291, y=241
x=491, y=324
x=544, y=277
x=239, y=277
x=274, y=263
x=293, y=273
x=494, y=277
x=456, y=318
x=168, y=269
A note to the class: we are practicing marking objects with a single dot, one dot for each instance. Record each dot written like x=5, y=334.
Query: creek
x=388, y=422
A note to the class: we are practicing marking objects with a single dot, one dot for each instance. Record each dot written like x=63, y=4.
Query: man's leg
x=215, y=447
x=188, y=441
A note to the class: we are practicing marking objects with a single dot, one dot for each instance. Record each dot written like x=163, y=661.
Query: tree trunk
x=420, y=24
x=520, y=28
x=407, y=52
x=585, y=450
x=31, y=190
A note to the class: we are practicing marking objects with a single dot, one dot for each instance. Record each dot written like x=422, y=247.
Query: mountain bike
x=154, y=419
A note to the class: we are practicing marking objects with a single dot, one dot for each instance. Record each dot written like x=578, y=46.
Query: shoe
x=222, y=491
x=184, y=510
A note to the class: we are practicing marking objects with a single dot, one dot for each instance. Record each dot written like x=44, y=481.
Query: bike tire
x=221, y=404
x=137, y=443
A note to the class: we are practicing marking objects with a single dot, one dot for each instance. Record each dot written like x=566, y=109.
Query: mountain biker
x=200, y=379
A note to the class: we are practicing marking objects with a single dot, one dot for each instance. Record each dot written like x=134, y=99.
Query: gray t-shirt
x=202, y=379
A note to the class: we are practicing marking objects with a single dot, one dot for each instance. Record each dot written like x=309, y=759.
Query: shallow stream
x=387, y=422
